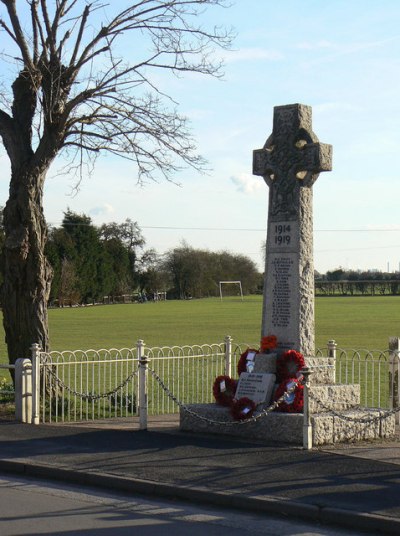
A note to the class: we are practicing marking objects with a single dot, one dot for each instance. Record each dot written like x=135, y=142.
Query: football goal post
x=238, y=283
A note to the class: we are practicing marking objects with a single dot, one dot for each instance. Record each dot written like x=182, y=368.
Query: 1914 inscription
x=282, y=234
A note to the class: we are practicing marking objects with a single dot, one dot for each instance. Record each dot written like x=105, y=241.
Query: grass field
x=356, y=322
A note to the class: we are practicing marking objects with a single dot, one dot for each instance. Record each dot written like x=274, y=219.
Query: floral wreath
x=289, y=365
x=268, y=343
x=224, y=390
x=294, y=402
x=243, y=408
x=241, y=366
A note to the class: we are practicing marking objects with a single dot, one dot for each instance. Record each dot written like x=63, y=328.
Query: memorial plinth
x=284, y=428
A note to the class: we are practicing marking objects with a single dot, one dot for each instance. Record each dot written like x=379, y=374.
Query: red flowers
x=269, y=342
x=289, y=364
x=224, y=390
x=242, y=408
x=292, y=403
x=288, y=367
x=241, y=366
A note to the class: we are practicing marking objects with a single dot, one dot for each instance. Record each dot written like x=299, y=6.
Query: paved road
x=358, y=486
x=36, y=507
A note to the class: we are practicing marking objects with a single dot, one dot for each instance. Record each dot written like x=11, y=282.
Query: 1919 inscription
x=282, y=235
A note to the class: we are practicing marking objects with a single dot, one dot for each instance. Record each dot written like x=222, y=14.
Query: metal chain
x=253, y=418
x=89, y=396
x=363, y=420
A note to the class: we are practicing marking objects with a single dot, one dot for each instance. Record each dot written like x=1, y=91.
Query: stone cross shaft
x=290, y=163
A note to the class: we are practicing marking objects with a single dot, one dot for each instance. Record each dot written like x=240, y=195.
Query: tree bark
x=27, y=273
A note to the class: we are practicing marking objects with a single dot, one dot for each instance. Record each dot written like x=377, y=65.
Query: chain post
x=35, y=358
x=332, y=347
x=143, y=373
x=307, y=427
x=394, y=392
x=228, y=355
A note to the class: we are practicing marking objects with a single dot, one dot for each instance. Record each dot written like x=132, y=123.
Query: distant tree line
x=93, y=262
x=356, y=282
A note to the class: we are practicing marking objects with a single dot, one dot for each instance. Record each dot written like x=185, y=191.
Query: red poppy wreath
x=242, y=408
x=224, y=390
x=289, y=364
x=241, y=367
x=292, y=403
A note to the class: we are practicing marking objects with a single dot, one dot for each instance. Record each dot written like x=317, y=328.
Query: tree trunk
x=27, y=273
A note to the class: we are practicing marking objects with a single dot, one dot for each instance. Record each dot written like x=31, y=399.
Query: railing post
x=394, y=392
x=23, y=390
x=307, y=428
x=228, y=355
x=143, y=372
x=332, y=347
x=35, y=353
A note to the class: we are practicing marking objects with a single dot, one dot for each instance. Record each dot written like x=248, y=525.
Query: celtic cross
x=290, y=163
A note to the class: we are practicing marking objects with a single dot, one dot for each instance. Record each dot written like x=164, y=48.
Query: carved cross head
x=292, y=154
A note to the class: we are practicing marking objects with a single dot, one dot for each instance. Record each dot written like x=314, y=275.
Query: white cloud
x=248, y=184
x=103, y=210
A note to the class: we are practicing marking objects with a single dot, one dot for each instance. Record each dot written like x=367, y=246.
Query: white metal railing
x=189, y=372
x=93, y=384
x=86, y=385
x=377, y=372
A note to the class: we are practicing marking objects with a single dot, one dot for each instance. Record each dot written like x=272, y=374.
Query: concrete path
x=357, y=486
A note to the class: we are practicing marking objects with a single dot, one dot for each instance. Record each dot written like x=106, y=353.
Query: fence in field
x=98, y=384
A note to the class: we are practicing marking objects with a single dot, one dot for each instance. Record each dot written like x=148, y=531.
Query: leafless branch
x=81, y=96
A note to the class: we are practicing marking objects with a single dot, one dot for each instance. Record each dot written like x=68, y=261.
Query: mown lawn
x=358, y=322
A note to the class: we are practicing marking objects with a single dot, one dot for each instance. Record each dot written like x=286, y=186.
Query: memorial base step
x=338, y=397
x=286, y=428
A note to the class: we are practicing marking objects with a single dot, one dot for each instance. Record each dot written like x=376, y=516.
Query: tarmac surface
x=349, y=485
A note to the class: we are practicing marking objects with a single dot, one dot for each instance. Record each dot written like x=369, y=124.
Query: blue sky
x=340, y=57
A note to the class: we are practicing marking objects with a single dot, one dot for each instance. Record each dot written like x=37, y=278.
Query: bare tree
x=71, y=91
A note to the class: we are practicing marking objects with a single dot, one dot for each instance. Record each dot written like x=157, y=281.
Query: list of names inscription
x=281, y=302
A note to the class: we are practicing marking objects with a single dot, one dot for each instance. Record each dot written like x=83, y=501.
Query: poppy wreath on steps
x=289, y=364
x=294, y=402
x=242, y=409
x=224, y=390
x=241, y=366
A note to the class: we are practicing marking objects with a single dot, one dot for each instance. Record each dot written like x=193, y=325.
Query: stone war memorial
x=256, y=406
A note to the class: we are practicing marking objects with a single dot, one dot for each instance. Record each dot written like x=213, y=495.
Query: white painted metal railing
x=93, y=384
x=189, y=372
x=86, y=385
x=377, y=372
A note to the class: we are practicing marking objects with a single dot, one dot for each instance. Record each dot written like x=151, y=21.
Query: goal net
x=238, y=291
